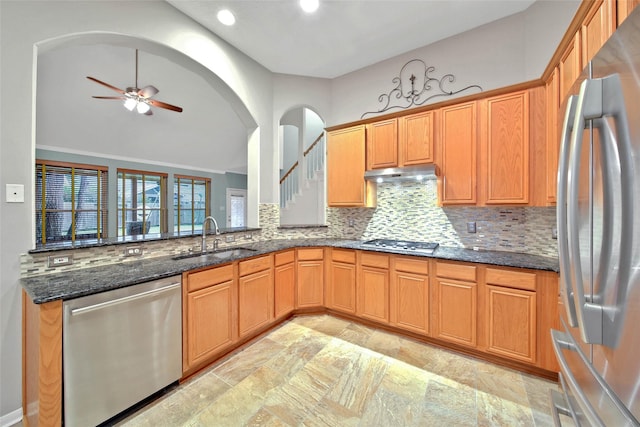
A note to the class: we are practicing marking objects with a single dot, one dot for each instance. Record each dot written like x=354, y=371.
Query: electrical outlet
x=471, y=227
x=554, y=233
x=60, y=260
x=248, y=236
x=351, y=222
x=230, y=239
x=133, y=251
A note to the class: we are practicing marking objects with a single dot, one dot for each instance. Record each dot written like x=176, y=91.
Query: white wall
x=512, y=50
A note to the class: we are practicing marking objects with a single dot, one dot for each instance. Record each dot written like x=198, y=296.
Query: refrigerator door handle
x=566, y=288
x=600, y=98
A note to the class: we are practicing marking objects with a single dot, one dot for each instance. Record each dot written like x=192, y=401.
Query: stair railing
x=313, y=158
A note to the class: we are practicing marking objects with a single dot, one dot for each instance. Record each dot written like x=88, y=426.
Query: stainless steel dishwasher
x=119, y=347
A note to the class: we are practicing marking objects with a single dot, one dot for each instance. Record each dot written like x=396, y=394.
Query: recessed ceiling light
x=309, y=6
x=226, y=17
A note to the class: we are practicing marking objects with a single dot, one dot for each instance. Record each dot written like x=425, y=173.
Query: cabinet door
x=511, y=323
x=382, y=144
x=416, y=138
x=341, y=287
x=373, y=294
x=345, y=169
x=310, y=284
x=597, y=27
x=284, y=289
x=458, y=137
x=409, y=302
x=570, y=66
x=553, y=134
x=456, y=311
x=255, y=301
x=210, y=322
x=507, y=149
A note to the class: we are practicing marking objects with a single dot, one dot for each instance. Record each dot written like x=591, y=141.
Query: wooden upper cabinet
x=552, y=90
x=506, y=139
x=382, y=144
x=570, y=66
x=458, y=139
x=345, y=169
x=416, y=138
x=624, y=9
x=597, y=27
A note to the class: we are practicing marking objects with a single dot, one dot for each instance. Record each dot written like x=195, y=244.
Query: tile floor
x=325, y=371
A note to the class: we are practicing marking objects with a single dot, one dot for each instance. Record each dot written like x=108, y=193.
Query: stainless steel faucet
x=204, y=233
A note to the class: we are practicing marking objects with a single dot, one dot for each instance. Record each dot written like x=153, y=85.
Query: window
x=142, y=205
x=191, y=201
x=71, y=201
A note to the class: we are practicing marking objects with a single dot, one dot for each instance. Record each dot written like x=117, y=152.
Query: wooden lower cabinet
x=284, y=284
x=373, y=287
x=310, y=276
x=255, y=301
x=409, y=294
x=456, y=311
x=511, y=323
x=341, y=283
x=210, y=311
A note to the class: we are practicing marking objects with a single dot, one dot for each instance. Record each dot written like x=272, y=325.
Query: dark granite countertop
x=76, y=283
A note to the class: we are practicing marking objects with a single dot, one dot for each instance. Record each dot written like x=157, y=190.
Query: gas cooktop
x=418, y=247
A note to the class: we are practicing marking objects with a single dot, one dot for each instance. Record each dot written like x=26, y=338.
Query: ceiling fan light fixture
x=143, y=107
x=130, y=104
x=225, y=16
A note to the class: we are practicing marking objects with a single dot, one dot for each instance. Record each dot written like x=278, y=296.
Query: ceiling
x=342, y=35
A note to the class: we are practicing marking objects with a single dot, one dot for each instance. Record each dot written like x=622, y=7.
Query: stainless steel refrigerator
x=598, y=211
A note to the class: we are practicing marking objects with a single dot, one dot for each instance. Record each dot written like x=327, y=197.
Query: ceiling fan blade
x=106, y=84
x=164, y=105
x=149, y=113
x=148, y=91
x=109, y=97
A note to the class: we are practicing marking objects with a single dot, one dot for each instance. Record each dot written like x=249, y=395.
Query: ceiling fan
x=138, y=99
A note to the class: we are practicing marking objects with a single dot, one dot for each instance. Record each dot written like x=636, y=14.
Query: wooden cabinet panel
x=373, y=259
x=310, y=286
x=456, y=311
x=344, y=255
x=373, y=294
x=206, y=278
x=416, y=138
x=458, y=139
x=285, y=257
x=411, y=264
x=255, y=301
x=306, y=254
x=553, y=134
x=284, y=288
x=210, y=322
x=624, y=8
x=341, y=287
x=255, y=264
x=570, y=66
x=597, y=27
x=511, y=321
x=511, y=278
x=382, y=144
x=409, y=302
x=345, y=169
x=506, y=139
x=456, y=271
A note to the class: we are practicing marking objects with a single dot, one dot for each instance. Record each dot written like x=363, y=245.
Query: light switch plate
x=15, y=193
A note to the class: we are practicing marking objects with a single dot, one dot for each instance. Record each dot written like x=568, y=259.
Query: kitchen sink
x=220, y=253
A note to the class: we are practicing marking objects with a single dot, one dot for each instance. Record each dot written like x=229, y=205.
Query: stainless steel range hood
x=407, y=173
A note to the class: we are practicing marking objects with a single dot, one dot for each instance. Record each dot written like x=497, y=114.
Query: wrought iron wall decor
x=414, y=87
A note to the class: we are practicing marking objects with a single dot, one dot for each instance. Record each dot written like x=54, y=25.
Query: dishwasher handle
x=94, y=307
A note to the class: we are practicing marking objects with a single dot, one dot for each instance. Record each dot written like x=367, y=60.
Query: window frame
x=102, y=198
x=121, y=211
x=207, y=211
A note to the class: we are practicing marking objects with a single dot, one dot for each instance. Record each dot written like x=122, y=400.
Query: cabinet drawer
x=374, y=260
x=456, y=271
x=411, y=265
x=512, y=279
x=213, y=276
x=310, y=253
x=343, y=255
x=257, y=264
x=285, y=257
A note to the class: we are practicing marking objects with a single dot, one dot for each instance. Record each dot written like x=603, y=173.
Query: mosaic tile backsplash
x=407, y=211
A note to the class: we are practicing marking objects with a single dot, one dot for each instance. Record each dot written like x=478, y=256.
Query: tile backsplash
x=406, y=211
